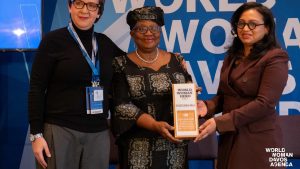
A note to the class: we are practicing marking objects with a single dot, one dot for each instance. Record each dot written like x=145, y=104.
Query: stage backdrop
x=198, y=29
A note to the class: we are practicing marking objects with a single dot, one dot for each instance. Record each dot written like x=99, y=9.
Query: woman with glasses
x=142, y=93
x=252, y=79
x=70, y=92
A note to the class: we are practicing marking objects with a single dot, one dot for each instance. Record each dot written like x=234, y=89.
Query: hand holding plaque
x=185, y=110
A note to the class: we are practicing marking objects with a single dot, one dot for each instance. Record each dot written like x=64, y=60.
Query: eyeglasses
x=90, y=5
x=145, y=29
x=251, y=25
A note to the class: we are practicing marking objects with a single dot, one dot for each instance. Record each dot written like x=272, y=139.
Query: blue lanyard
x=94, y=62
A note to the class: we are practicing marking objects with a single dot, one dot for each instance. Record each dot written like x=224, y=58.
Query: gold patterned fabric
x=138, y=90
x=156, y=153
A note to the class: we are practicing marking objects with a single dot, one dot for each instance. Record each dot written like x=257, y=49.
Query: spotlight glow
x=19, y=32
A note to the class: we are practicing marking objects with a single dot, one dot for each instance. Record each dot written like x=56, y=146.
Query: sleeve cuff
x=225, y=123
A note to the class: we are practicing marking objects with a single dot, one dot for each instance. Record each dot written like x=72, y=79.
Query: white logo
x=279, y=157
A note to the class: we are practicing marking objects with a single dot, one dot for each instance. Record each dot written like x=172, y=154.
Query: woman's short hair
x=101, y=9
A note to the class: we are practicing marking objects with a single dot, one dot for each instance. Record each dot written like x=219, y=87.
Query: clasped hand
x=209, y=126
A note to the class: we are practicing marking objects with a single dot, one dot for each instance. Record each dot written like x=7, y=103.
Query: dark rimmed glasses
x=251, y=25
x=90, y=5
x=145, y=29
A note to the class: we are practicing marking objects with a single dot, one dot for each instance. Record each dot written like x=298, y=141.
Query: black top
x=59, y=76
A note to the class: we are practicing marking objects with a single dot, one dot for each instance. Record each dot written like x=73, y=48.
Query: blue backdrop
x=20, y=25
x=198, y=29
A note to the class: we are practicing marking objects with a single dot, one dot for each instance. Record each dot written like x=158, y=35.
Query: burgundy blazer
x=247, y=97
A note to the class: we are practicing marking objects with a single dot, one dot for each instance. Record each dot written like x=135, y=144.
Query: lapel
x=250, y=63
x=228, y=70
x=241, y=70
x=226, y=87
x=247, y=64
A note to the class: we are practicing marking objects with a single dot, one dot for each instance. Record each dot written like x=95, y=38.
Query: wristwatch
x=33, y=137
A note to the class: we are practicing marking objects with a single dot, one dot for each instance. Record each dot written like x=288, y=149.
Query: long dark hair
x=101, y=2
x=268, y=42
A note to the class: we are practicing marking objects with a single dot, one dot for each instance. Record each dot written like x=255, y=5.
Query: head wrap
x=155, y=14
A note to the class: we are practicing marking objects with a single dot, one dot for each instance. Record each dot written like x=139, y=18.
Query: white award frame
x=185, y=110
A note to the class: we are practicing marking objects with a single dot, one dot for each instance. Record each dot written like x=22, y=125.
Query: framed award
x=185, y=110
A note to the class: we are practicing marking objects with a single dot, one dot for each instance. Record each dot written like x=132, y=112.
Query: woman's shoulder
x=108, y=44
x=178, y=57
x=276, y=53
x=120, y=62
x=57, y=33
x=103, y=37
x=120, y=59
x=56, y=40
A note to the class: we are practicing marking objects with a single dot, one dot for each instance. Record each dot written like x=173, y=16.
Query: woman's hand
x=198, y=89
x=201, y=108
x=39, y=146
x=207, y=128
x=163, y=128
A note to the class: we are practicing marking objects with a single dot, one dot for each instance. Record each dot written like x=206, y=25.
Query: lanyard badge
x=94, y=93
x=94, y=100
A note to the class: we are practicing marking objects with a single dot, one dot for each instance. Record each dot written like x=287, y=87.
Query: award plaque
x=185, y=110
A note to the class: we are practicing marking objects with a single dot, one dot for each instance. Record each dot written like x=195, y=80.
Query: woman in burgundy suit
x=252, y=79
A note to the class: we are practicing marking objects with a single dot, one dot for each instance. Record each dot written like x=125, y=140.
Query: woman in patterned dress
x=142, y=93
